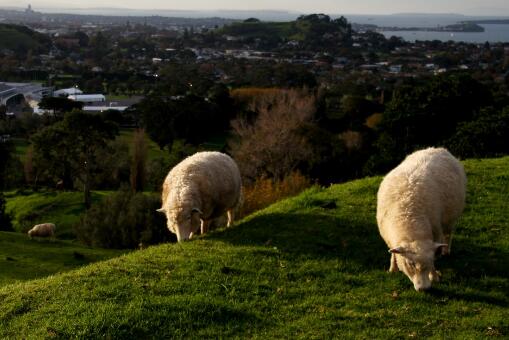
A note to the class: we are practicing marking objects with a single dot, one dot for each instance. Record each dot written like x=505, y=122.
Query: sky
x=469, y=7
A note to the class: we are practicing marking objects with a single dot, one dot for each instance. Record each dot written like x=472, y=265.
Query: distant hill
x=317, y=30
x=490, y=22
x=21, y=39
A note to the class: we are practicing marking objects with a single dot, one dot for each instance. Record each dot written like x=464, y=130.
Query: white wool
x=42, y=230
x=207, y=181
x=418, y=203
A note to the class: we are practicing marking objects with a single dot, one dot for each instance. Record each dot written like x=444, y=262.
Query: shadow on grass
x=479, y=267
x=213, y=316
x=176, y=320
x=477, y=273
x=468, y=297
x=313, y=236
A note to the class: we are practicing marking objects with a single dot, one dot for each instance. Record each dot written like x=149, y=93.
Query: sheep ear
x=194, y=210
x=441, y=245
x=397, y=250
x=161, y=210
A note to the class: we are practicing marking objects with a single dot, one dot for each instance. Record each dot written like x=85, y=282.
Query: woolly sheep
x=200, y=188
x=418, y=203
x=42, y=230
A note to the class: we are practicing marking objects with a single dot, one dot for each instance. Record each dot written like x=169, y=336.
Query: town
x=123, y=57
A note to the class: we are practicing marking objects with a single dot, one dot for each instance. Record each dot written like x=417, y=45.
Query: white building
x=67, y=92
x=88, y=98
x=104, y=108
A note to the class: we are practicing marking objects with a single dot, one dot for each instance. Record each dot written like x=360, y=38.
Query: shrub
x=485, y=136
x=265, y=191
x=5, y=219
x=123, y=220
x=273, y=145
x=114, y=166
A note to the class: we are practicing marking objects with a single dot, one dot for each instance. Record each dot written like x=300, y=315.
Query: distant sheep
x=418, y=203
x=42, y=230
x=198, y=189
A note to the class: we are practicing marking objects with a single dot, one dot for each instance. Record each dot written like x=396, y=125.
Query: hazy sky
x=472, y=7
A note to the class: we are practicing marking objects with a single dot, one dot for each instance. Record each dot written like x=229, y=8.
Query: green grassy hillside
x=24, y=259
x=62, y=208
x=312, y=266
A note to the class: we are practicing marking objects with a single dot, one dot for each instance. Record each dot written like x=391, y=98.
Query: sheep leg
x=205, y=226
x=394, y=265
x=231, y=216
x=441, y=238
x=448, y=240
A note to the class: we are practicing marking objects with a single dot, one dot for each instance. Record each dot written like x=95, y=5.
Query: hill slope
x=24, y=259
x=312, y=266
x=59, y=207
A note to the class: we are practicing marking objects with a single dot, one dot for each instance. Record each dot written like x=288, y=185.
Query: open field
x=312, y=266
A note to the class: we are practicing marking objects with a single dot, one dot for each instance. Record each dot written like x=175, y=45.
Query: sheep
x=198, y=189
x=42, y=230
x=418, y=203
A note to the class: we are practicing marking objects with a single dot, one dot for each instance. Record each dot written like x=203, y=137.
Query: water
x=492, y=33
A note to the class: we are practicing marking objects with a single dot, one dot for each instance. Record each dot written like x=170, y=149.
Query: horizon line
x=287, y=11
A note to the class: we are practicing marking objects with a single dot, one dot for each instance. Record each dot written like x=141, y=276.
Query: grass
x=24, y=259
x=312, y=266
x=62, y=208
x=127, y=135
x=113, y=97
x=20, y=147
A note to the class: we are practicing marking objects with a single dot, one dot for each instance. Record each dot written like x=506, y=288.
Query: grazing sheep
x=42, y=230
x=418, y=203
x=200, y=188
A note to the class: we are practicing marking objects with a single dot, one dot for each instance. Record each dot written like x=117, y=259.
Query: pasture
x=312, y=266
x=24, y=259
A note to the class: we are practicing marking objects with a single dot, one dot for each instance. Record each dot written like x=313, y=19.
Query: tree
x=124, y=220
x=68, y=149
x=139, y=160
x=59, y=105
x=6, y=150
x=273, y=144
x=485, y=136
x=5, y=156
x=421, y=115
x=191, y=118
x=5, y=219
x=98, y=46
x=83, y=38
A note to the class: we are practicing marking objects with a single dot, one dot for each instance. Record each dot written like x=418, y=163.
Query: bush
x=485, y=136
x=273, y=144
x=264, y=191
x=5, y=219
x=124, y=220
